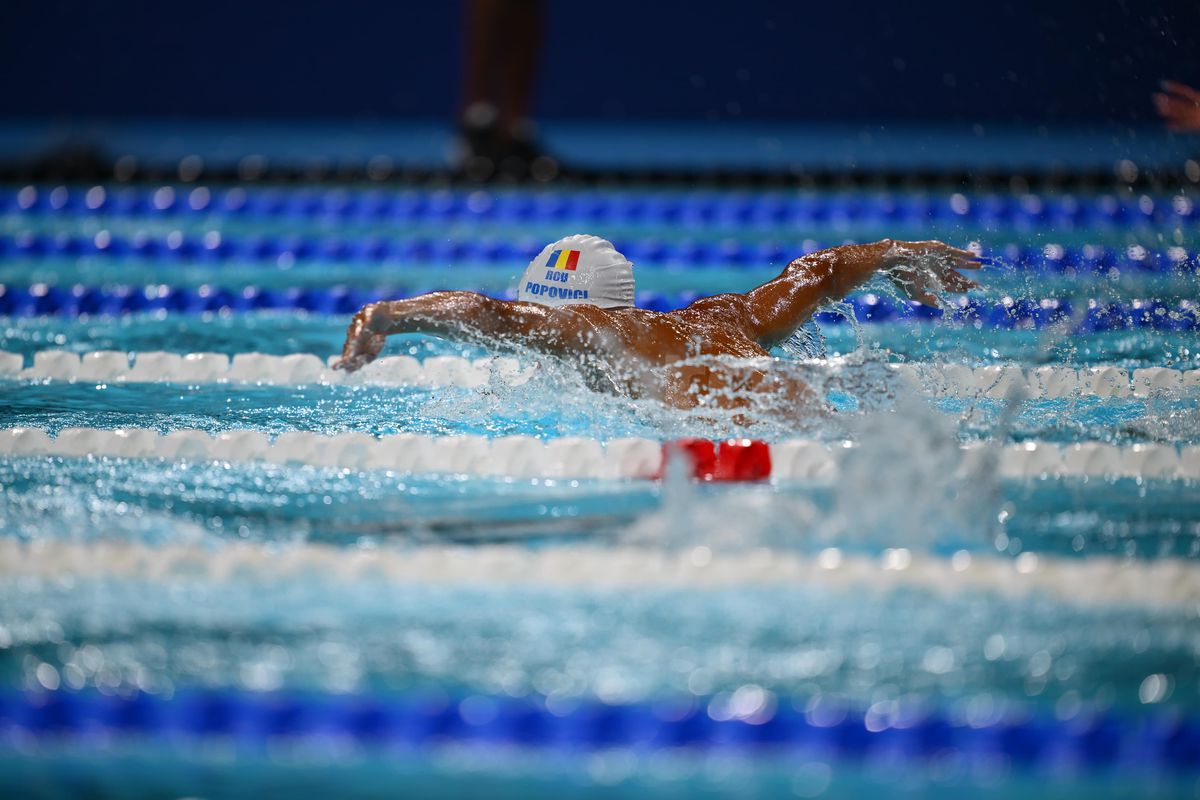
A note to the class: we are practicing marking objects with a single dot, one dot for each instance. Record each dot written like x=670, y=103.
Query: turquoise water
x=379, y=637
x=123, y=771
x=1027, y=653
x=537, y=409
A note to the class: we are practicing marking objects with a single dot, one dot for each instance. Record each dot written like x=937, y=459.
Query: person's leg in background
x=479, y=123
x=501, y=42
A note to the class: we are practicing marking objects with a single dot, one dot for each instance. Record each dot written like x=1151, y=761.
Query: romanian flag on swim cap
x=563, y=259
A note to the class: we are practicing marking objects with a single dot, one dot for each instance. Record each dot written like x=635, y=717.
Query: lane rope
x=1006, y=313
x=296, y=369
x=583, y=458
x=287, y=251
x=748, y=722
x=611, y=207
x=996, y=381
x=1167, y=583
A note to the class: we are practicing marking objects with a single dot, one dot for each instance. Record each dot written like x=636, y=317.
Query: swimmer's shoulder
x=730, y=309
x=596, y=314
x=718, y=302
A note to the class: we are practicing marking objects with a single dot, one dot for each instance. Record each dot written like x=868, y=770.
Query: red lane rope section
x=730, y=460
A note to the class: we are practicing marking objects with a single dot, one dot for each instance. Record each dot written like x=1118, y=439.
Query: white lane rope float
x=578, y=457
x=296, y=369
x=1165, y=583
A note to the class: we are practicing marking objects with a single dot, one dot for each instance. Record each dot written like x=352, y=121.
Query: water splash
x=906, y=482
x=712, y=520
x=806, y=342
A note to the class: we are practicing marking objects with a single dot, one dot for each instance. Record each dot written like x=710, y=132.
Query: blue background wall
x=1027, y=62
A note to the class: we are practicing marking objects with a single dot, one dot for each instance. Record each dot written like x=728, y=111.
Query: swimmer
x=575, y=302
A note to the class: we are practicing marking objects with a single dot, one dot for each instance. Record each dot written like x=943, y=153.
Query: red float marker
x=700, y=455
x=733, y=460
x=743, y=460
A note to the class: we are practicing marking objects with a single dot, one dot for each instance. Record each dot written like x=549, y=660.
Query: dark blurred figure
x=502, y=39
x=71, y=160
x=1179, y=105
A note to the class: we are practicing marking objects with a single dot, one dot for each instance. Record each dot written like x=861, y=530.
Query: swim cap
x=578, y=269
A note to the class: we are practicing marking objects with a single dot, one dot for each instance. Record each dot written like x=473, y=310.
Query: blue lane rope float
x=290, y=249
x=1166, y=741
x=698, y=208
x=1087, y=316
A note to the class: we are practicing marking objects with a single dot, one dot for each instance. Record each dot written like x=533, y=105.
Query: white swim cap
x=578, y=269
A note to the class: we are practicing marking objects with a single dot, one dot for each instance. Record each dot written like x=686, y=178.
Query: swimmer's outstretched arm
x=461, y=316
x=920, y=269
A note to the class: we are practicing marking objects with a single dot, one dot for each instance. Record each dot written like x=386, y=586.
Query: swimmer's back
x=709, y=325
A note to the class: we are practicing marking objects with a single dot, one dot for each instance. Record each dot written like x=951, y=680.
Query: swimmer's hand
x=923, y=270
x=363, y=342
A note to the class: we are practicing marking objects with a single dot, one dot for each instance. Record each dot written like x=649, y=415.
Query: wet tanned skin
x=645, y=353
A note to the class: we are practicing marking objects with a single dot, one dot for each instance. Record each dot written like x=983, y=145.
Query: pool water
x=142, y=578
